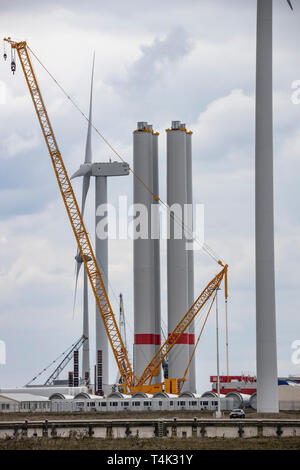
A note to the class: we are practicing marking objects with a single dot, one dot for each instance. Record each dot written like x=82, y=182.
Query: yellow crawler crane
x=131, y=383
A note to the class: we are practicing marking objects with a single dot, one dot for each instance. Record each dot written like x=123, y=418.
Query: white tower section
x=190, y=257
x=146, y=297
x=156, y=234
x=177, y=266
x=266, y=352
x=101, y=171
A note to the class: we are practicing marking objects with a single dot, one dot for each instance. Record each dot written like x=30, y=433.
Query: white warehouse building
x=115, y=402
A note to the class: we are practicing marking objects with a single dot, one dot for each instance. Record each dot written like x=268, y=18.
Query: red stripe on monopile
x=191, y=339
x=147, y=338
x=185, y=338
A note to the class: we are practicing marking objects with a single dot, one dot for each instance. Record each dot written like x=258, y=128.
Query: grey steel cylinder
x=145, y=302
x=177, y=267
x=253, y=401
x=102, y=261
x=266, y=350
x=190, y=256
x=155, y=222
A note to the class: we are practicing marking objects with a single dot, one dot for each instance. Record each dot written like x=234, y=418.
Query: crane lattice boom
x=61, y=366
x=73, y=211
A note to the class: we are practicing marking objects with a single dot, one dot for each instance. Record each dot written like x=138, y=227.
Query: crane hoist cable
x=178, y=220
x=199, y=336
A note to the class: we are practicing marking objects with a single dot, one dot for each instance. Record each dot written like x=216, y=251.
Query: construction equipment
x=67, y=356
x=131, y=383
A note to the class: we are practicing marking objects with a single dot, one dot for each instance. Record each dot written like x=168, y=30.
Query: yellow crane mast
x=131, y=382
x=73, y=211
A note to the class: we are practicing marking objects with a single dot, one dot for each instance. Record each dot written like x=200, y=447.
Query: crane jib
x=74, y=215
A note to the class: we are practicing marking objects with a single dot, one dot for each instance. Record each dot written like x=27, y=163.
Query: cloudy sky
x=192, y=61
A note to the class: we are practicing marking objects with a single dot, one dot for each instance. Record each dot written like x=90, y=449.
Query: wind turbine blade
x=85, y=171
x=85, y=305
x=78, y=266
x=290, y=4
x=88, y=147
x=85, y=188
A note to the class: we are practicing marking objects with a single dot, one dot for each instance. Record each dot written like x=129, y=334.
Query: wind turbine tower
x=266, y=349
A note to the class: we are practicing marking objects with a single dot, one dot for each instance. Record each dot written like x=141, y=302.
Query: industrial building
x=59, y=401
x=114, y=402
x=23, y=402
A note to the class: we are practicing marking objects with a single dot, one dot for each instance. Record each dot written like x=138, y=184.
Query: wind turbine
x=266, y=349
x=78, y=258
x=101, y=171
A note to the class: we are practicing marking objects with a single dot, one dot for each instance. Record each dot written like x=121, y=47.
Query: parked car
x=237, y=414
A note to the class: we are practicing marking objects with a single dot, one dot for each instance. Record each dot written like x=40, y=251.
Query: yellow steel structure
x=73, y=211
x=182, y=326
x=131, y=383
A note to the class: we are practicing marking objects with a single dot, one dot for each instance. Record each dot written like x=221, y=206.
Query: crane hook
x=13, y=66
x=13, y=61
x=4, y=51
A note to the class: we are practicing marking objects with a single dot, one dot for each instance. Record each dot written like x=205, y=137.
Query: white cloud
x=16, y=143
x=226, y=128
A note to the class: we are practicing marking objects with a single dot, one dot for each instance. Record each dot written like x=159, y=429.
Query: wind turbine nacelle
x=110, y=169
x=102, y=169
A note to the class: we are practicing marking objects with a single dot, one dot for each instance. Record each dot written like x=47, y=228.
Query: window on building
x=103, y=403
x=171, y=403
